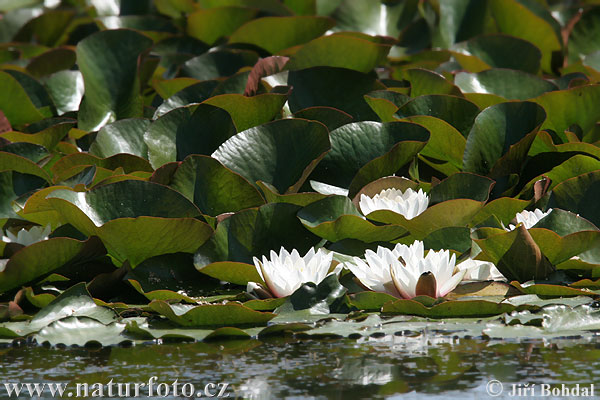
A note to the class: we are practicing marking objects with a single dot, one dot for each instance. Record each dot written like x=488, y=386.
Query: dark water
x=408, y=365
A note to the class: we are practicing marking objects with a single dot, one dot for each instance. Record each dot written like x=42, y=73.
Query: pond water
x=406, y=364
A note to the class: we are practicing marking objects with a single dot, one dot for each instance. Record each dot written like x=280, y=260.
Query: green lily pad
x=497, y=50
x=362, y=152
x=457, y=111
x=585, y=28
x=197, y=129
x=80, y=331
x=161, y=219
x=329, y=87
x=108, y=61
x=342, y=51
x=504, y=209
x=17, y=163
x=370, y=301
x=216, y=64
x=509, y=84
x=73, y=302
x=233, y=272
x=193, y=93
x=459, y=20
x=300, y=199
x=253, y=233
x=248, y=112
x=124, y=136
x=277, y=33
x=551, y=290
x=52, y=61
x=129, y=163
x=330, y=117
x=335, y=218
x=15, y=102
x=572, y=106
x=213, y=23
x=40, y=259
x=424, y=82
x=462, y=185
x=532, y=22
x=211, y=314
x=48, y=137
x=456, y=212
x=577, y=194
x=501, y=137
x=65, y=88
x=301, y=143
x=448, y=309
x=213, y=188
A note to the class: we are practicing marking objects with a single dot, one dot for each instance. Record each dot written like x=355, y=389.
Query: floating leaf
x=423, y=82
x=448, y=309
x=577, y=194
x=457, y=111
x=255, y=232
x=291, y=31
x=336, y=218
x=532, y=22
x=498, y=50
x=15, y=103
x=211, y=315
x=125, y=136
x=567, y=107
x=42, y=258
x=500, y=138
x=216, y=64
x=213, y=188
x=233, y=272
x=509, y=84
x=327, y=86
x=331, y=117
x=362, y=152
x=457, y=212
x=248, y=112
x=213, y=23
x=342, y=51
x=302, y=144
x=198, y=129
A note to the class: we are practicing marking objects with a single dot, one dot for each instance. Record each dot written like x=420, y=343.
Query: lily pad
x=255, y=232
x=197, y=129
x=342, y=51
x=213, y=188
x=362, y=152
x=448, y=309
x=291, y=31
x=302, y=144
x=40, y=259
x=211, y=315
x=108, y=61
x=125, y=136
x=457, y=111
x=336, y=218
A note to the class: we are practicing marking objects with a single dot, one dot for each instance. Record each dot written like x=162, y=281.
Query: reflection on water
x=405, y=365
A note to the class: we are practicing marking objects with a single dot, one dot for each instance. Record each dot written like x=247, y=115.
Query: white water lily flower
x=529, y=218
x=285, y=272
x=408, y=203
x=406, y=272
x=480, y=270
x=26, y=237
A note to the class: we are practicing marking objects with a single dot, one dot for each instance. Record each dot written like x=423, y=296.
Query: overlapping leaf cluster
x=162, y=138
